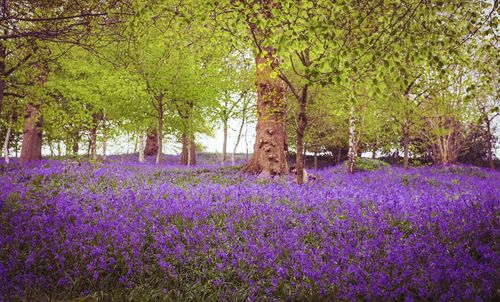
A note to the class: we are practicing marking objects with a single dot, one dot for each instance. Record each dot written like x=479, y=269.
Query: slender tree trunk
x=301, y=126
x=59, y=151
x=238, y=137
x=31, y=148
x=246, y=143
x=6, y=145
x=76, y=140
x=315, y=161
x=224, y=142
x=406, y=142
x=489, y=144
x=338, y=156
x=93, y=142
x=104, y=138
x=16, y=147
x=352, y=141
x=3, y=54
x=269, y=157
x=160, y=130
x=140, y=140
x=136, y=141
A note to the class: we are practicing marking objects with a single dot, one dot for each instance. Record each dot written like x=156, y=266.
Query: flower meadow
x=123, y=231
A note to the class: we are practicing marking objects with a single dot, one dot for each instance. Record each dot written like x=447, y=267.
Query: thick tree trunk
x=192, y=152
x=269, y=157
x=224, y=143
x=406, y=141
x=160, y=130
x=6, y=145
x=140, y=139
x=184, y=152
x=301, y=126
x=151, y=148
x=352, y=154
x=31, y=148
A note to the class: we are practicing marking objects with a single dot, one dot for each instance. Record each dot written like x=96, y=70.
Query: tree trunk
x=93, y=143
x=246, y=143
x=352, y=141
x=151, y=148
x=6, y=145
x=3, y=54
x=338, y=156
x=75, y=146
x=184, y=152
x=140, y=139
x=315, y=161
x=136, y=140
x=224, y=143
x=269, y=157
x=31, y=148
x=104, y=138
x=301, y=126
x=238, y=138
x=489, y=144
x=406, y=141
x=160, y=129
x=192, y=152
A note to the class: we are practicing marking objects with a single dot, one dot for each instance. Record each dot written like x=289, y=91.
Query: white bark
x=141, y=138
x=352, y=141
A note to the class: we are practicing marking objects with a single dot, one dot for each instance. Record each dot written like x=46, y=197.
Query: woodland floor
x=121, y=230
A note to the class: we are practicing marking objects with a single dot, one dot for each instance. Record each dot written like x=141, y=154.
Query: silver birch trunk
x=140, y=141
x=352, y=141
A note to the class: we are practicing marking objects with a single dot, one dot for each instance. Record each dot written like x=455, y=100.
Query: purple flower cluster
x=140, y=232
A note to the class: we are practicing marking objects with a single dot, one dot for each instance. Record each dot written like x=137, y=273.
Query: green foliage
x=368, y=164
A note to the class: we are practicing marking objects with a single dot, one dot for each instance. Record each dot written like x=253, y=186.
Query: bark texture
x=269, y=157
x=31, y=148
x=140, y=139
x=151, y=148
x=188, y=154
x=352, y=154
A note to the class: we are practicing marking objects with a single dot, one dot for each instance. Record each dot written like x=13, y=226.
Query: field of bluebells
x=124, y=231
